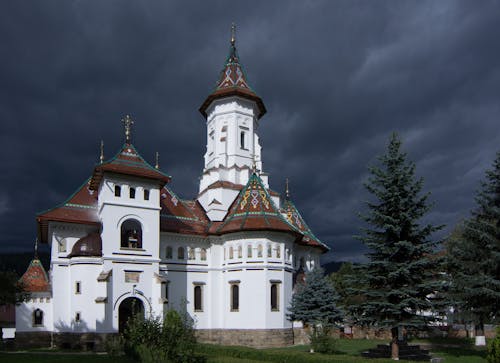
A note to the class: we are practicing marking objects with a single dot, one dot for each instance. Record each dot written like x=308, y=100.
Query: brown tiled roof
x=80, y=207
x=232, y=82
x=89, y=246
x=128, y=162
x=254, y=209
x=35, y=278
x=181, y=216
x=295, y=219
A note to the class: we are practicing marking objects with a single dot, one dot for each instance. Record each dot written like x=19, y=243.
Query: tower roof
x=80, y=207
x=295, y=219
x=254, y=209
x=35, y=278
x=233, y=82
x=127, y=162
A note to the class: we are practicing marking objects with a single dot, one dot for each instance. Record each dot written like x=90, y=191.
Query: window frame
x=198, y=304
x=41, y=316
x=234, y=304
x=78, y=287
x=276, y=286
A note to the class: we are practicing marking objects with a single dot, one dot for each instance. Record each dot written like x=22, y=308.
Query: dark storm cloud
x=337, y=78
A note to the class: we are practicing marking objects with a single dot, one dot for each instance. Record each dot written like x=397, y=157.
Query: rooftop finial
x=287, y=190
x=233, y=34
x=157, y=160
x=254, y=165
x=36, y=248
x=128, y=122
x=101, y=157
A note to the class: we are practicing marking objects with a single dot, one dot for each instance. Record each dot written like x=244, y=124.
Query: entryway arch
x=128, y=307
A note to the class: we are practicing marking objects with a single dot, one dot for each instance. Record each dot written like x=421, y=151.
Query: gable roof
x=233, y=82
x=127, y=162
x=253, y=209
x=80, y=207
x=293, y=217
x=179, y=216
x=35, y=278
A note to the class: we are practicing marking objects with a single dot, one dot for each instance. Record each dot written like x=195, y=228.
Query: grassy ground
x=348, y=351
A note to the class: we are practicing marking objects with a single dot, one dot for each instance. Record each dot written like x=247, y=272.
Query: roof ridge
x=66, y=200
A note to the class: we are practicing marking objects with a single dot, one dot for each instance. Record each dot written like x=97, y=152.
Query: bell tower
x=232, y=112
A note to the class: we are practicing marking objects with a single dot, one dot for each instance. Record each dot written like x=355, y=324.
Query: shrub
x=152, y=340
x=322, y=341
x=494, y=349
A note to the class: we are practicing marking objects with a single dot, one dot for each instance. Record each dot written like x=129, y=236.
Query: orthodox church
x=124, y=242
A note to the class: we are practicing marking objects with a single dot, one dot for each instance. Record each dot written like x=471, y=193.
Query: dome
x=88, y=246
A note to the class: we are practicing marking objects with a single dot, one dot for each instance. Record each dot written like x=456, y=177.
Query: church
x=124, y=242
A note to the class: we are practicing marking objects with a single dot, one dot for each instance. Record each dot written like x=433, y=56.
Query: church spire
x=128, y=122
x=233, y=81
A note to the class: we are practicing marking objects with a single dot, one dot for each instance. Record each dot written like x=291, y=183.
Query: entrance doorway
x=128, y=308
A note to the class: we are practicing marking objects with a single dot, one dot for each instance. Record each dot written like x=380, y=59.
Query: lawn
x=454, y=351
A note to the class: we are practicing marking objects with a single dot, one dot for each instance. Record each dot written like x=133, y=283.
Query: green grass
x=348, y=351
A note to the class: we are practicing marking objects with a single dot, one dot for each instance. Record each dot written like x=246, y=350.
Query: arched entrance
x=129, y=307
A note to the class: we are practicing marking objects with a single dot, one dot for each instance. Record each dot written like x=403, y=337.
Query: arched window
x=168, y=252
x=118, y=190
x=191, y=253
x=269, y=251
x=275, y=297
x=249, y=251
x=198, y=298
x=37, y=317
x=231, y=253
x=146, y=194
x=203, y=254
x=240, y=251
x=131, y=193
x=242, y=139
x=180, y=253
x=278, y=251
x=259, y=251
x=235, y=297
x=287, y=254
x=131, y=234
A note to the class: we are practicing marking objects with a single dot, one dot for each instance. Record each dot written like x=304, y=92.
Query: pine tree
x=314, y=303
x=474, y=255
x=402, y=275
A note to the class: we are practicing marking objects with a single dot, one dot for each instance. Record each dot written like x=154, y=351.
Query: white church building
x=124, y=240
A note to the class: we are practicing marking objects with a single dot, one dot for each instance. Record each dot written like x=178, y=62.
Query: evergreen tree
x=474, y=255
x=314, y=303
x=402, y=274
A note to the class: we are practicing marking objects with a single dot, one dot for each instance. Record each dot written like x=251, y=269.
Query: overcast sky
x=337, y=77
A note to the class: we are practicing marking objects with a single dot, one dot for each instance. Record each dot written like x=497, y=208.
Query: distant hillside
x=19, y=262
x=333, y=266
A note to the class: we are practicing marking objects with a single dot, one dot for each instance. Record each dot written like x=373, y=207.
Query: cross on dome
x=128, y=122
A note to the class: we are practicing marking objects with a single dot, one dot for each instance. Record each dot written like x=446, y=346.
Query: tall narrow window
x=198, y=298
x=275, y=297
x=242, y=139
x=168, y=253
x=78, y=287
x=37, y=317
x=278, y=251
x=78, y=317
x=164, y=292
x=240, y=251
x=203, y=254
x=231, y=253
x=132, y=193
x=146, y=194
x=269, y=251
x=259, y=251
x=191, y=253
x=235, y=297
x=180, y=253
x=249, y=251
x=118, y=190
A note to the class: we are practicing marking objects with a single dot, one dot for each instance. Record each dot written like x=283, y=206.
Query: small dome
x=89, y=246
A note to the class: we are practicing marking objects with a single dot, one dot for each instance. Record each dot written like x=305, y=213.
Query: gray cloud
x=337, y=78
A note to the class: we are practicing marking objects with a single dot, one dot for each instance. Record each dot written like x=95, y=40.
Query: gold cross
x=128, y=122
x=233, y=34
